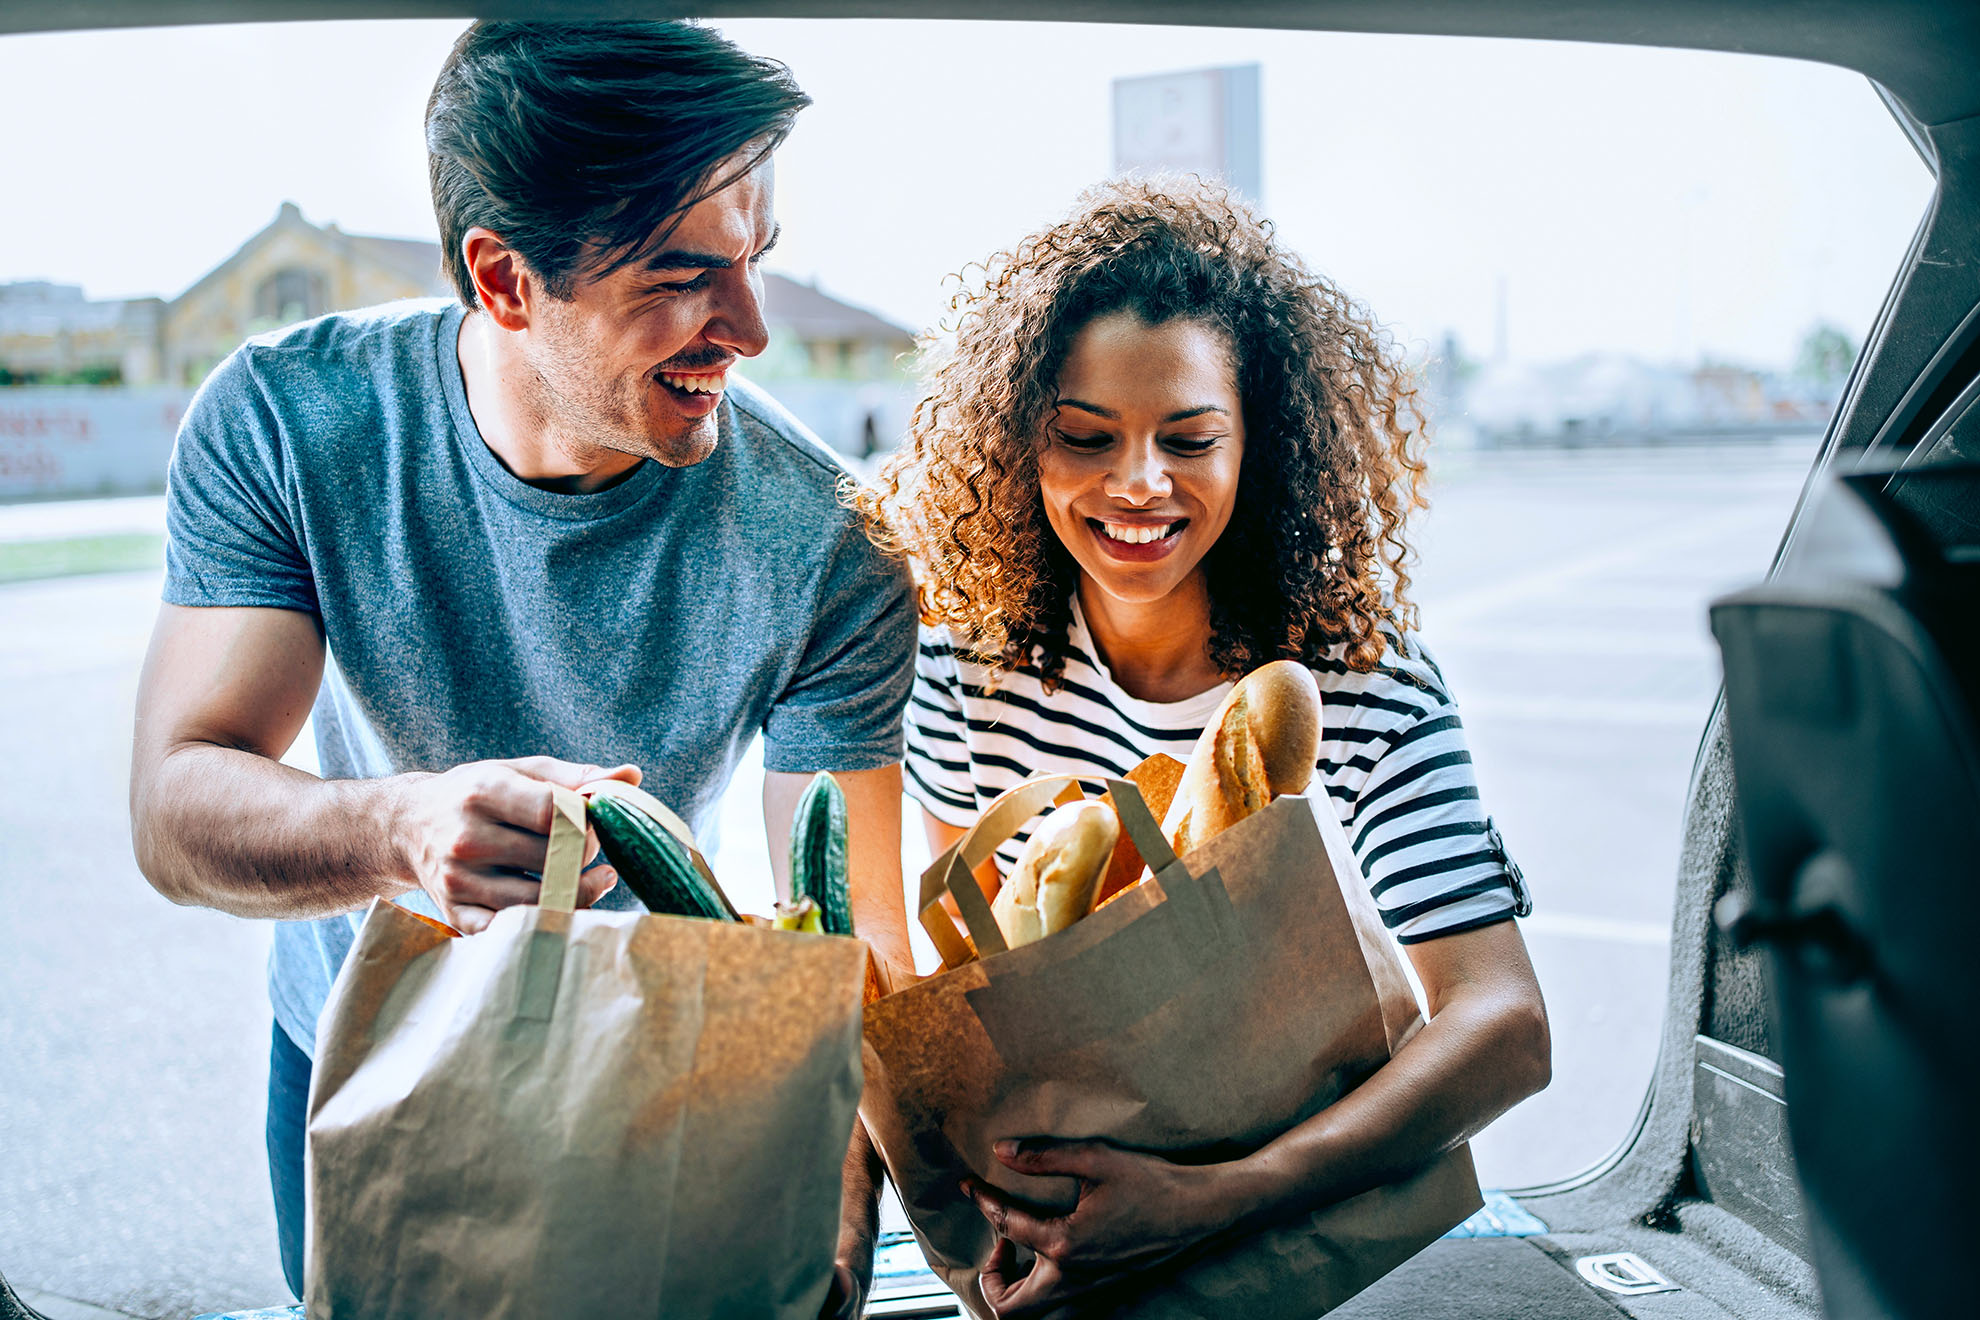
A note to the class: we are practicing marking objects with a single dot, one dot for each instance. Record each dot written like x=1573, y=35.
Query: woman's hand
x=1134, y=1209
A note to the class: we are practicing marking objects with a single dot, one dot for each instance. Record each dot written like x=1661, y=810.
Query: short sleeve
x=1432, y=857
x=1399, y=770
x=229, y=514
x=842, y=707
x=938, y=774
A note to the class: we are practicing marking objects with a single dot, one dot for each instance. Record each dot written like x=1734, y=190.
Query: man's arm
x=218, y=821
x=873, y=852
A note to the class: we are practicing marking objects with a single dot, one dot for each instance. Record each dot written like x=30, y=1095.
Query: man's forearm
x=859, y=1208
x=229, y=829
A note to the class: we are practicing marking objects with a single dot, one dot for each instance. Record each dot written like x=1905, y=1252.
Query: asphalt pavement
x=1563, y=593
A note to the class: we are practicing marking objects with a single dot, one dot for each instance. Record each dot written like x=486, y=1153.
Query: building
x=838, y=367
x=293, y=270
x=290, y=271
x=51, y=335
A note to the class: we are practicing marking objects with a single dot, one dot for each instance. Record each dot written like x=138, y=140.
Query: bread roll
x=1262, y=743
x=1057, y=872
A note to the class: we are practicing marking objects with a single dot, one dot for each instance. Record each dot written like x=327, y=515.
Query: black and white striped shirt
x=1393, y=761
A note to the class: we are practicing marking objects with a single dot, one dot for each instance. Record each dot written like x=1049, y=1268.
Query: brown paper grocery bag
x=579, y=1113
x=1240, y=991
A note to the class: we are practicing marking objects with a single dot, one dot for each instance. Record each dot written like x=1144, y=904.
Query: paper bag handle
x=953, y=873
x=564, y=857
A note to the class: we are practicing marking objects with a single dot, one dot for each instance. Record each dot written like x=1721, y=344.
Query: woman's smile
x=1138, y=471
x=1138, y=541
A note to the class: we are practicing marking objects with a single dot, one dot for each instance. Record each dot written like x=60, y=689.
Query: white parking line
x=1577, y=927
x=1627, y=712
x=1548, y=583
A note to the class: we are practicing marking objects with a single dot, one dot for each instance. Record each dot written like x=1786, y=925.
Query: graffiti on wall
x=86, y=442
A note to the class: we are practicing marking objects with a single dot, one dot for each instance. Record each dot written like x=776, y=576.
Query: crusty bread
x=1157, y=778
x=1057, y=871
x=1262, y=743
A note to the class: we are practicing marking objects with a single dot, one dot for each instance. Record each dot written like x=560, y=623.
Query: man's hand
x=1134, y=1210
x=217, y=820
x=859, y=1227
x=474, y=836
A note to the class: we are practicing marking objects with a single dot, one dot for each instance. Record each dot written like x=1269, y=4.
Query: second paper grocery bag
x=1242, y=990
x=581, y=1113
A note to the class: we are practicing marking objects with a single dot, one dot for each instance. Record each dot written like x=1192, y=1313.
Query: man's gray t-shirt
x=334, y=468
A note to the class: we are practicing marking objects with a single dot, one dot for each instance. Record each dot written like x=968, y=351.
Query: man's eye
x=682, y=286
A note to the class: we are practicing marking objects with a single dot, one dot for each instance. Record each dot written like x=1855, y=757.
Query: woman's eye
x=1072, y=441
x=1191, y=444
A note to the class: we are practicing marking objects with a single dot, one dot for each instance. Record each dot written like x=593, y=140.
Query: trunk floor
x=1479, y=1279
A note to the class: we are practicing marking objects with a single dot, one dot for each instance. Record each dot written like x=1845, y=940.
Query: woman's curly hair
x=1314, y=555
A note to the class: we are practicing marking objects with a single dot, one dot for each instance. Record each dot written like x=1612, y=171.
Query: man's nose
x=737, y=323
x=1141, y=476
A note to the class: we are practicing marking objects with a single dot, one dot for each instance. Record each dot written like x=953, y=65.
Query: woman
x=1158, y=454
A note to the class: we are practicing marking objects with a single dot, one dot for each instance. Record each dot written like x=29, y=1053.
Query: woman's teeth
x=1136, y=535
x=709, y=384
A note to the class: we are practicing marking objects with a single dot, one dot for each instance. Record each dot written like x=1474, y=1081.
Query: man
x=534, y=538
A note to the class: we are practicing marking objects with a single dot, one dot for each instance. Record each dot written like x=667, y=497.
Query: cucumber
x=818, y=854
x=651, y=862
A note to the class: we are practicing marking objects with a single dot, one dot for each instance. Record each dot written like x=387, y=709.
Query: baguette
x=1057, y=872
x=1262, y=743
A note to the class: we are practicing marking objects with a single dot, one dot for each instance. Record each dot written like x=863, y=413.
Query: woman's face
x=1139, y=469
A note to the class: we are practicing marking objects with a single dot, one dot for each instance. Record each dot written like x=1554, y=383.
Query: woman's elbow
x=1528, y=1043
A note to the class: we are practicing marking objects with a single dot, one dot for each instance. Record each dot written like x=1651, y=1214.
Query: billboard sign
x=1201, y=121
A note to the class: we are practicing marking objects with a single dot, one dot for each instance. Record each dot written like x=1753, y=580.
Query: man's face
x=636, y=361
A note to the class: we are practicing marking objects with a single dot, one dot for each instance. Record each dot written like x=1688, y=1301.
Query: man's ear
x=501, y=280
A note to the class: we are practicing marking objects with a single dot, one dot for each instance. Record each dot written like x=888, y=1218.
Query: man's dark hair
x=578, y=143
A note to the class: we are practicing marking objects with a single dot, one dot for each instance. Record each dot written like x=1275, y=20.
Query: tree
x=1827, y=353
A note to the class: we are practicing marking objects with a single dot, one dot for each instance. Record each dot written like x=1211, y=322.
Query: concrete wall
x=62, y=443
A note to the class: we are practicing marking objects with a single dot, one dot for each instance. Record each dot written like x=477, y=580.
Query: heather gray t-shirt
x=334, y=468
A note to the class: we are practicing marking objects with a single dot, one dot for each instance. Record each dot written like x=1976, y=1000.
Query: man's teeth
x=697, y=384
x=1136, y=535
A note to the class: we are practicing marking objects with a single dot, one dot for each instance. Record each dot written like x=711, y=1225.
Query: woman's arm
x=1485, y=1048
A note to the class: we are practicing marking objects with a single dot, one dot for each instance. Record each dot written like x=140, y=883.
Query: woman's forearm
x=1482, y=1053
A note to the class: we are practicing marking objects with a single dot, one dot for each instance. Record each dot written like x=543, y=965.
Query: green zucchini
x=652, y=862
x=818, y=854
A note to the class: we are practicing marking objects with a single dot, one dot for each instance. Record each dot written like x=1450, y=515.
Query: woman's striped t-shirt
x=1392, y=759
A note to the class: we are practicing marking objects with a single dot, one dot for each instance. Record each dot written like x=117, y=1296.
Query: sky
x=1541, y=199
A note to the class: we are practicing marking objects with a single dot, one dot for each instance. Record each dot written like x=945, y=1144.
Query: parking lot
x=1563, y=592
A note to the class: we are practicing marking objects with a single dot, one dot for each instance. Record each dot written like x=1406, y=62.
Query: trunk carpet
x=1479, y=1279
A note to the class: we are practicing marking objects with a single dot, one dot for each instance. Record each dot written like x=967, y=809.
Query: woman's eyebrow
x=1181, y=416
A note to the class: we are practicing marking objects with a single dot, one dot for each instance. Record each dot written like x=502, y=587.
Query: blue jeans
x=288, y=1117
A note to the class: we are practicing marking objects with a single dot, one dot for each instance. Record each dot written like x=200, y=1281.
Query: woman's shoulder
x=1406, y=680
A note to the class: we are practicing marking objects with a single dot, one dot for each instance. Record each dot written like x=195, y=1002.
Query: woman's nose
x=1141, y=476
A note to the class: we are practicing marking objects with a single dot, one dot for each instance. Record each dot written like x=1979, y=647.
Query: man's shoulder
x=319, y=385
x=785, y=442
x=363, y=339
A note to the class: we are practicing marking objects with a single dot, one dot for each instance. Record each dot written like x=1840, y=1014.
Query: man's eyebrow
x=682, y=259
